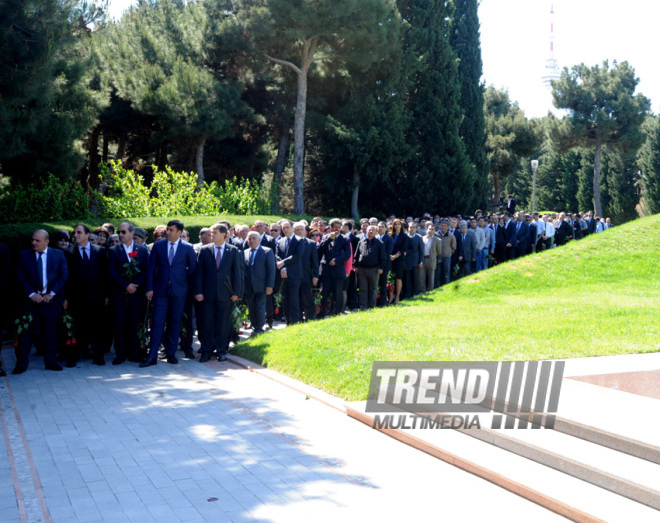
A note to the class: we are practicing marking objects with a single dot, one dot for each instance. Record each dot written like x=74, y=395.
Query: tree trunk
x=496, y=188
x=200, y=161
x=299, y=145
x=93, y=166
x=354, y=195
x=106, y=143
x=280, y=165
x=121, y=147
x=597, y=208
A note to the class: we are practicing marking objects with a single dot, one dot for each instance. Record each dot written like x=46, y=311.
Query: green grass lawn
x=598, y=296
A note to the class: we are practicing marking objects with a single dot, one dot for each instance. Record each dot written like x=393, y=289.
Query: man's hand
x=421, y=265
x=47, y=298
x=279, y=264
x=199, y=297
x=235, y=298
x=332, y=262
x=37, y=298
x=460, y=258
x=380, y=271
x=65, y=304
x=315, y=282
x=283, y=273
x=131, y=288
x=269, y=291
x=149, y=295
x=508, y=245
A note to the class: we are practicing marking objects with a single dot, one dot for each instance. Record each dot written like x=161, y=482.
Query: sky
x=515, y=42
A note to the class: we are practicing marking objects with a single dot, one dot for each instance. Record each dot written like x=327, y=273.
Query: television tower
x=552, y=71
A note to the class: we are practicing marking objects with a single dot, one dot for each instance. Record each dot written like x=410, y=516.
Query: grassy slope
x=598, y=296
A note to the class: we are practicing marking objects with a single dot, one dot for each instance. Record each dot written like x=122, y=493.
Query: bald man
x=42, y=275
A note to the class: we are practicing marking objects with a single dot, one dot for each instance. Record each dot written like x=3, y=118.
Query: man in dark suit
x=510, y=232
x=511, y=205
x=42, y=275
x=218, y=283
x=259, y=279
x=287, y=256
x=466, y=246
x=171, y=263
x=127, y=266
x=388, y=243
x=5, y=268
x=414, y=261
x=309, y=262
x=369, y=263
x=531, y=235
x=87, y=295
x=334, y=251
x=522, y=234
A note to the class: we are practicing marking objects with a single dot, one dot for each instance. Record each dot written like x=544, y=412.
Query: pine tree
x=603, y=110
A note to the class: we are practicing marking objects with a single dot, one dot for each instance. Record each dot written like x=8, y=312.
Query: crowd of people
x=158, y=294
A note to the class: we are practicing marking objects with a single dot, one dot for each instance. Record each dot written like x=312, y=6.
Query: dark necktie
x=84, y=255
x=252, y=256
x=171, y=256
x=218, y=257
x=40, y=272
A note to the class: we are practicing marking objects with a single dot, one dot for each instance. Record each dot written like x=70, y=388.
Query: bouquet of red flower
x=131, y=268
x=67, y=320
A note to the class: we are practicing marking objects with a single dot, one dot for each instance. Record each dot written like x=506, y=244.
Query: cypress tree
x=465, y=42
x=440, y=176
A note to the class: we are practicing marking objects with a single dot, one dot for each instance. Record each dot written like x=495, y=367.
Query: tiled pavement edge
x=212, y=442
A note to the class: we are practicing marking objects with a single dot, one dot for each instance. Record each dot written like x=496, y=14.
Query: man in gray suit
x=259, y=279
x=467, y=248
x=432, y=256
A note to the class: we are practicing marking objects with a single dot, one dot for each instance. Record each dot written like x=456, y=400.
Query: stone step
x=573, y=497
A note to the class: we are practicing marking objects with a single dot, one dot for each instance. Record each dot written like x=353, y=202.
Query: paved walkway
x=212, y=442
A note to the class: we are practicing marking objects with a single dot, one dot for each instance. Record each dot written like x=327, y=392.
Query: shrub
x=177, y=193
x=49, y=199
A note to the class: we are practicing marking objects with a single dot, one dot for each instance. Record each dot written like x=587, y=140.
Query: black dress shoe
x=172, y=360
x=53, y=366
x=118, y=361
x=189, y=354
x=222, y=357
x=149, y=363
x=71, y=364
x=98, y=361
x=204, y=358
x=19, y=370
x=137, y=359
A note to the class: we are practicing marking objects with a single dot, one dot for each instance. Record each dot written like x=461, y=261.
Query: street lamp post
x=535, y=167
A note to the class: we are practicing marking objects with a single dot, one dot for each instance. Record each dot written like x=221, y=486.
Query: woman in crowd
x=102, y=236
x=400, y=239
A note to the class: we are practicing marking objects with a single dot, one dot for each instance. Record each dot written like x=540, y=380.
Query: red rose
x=132, y=254
x=15, y=344
x=68, y=342
x=73, y=341
x=277, y=311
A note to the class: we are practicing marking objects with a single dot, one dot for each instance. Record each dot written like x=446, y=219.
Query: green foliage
x=177, y=193
x=511, y=137
x=46, y=199
x=649, y=162
x=603, y=110
x=465, y=42
x=46, y=102
x=242, y=197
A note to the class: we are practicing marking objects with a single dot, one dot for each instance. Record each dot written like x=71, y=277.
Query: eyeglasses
x=315, y=234
x=275, y=230
x=122, y=232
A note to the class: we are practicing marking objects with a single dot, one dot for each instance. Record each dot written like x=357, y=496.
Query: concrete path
x=213, y=442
